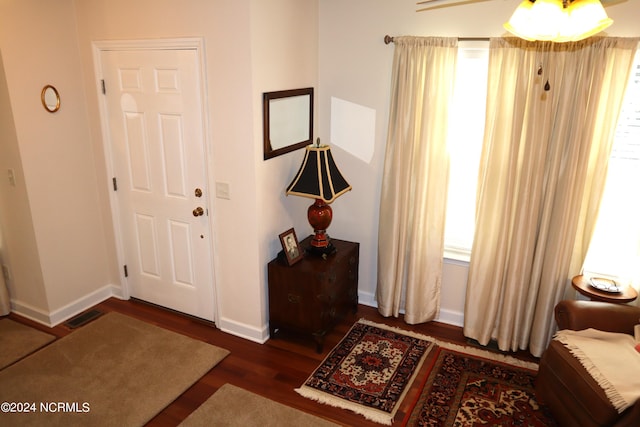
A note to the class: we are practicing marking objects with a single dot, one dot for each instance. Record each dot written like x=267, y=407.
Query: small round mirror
x=50, y=99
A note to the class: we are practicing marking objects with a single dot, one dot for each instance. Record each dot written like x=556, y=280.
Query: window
x=615, y=246
x=465, y=134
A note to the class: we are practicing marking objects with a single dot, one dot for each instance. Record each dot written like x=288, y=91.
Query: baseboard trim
x=243, y=330
x=368, y=299
x=54, y=318
x=30, y=312
x=81, y=304
x=450, y=317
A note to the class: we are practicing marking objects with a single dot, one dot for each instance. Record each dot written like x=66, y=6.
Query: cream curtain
x=541, y=178
x=414, y=185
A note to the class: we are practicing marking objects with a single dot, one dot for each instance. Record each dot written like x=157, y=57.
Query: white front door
x=156, y=131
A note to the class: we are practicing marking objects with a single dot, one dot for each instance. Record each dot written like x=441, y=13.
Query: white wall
x=285, y=56
x=52, y=222
x=226, y=29
x=251, y=46
x=355, y=65
x=58, y=237
x=18, y=247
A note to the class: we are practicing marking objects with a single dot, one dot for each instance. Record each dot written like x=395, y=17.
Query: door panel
x=157, y=139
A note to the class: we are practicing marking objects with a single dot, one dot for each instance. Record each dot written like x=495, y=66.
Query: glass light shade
x=520, y=22
x=587, y=17
x=549, y=20
x=547, y=17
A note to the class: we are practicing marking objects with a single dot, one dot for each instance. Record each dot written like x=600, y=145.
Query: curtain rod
x=388, y=39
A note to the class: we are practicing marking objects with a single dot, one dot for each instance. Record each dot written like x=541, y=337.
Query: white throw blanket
x=611, y=359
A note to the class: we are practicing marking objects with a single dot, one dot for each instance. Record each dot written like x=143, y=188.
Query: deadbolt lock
x=198, y=192
x=198, y=211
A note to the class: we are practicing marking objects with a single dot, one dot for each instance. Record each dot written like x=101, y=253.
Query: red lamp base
x=320, y=215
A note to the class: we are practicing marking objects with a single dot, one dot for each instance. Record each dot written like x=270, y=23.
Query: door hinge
x=126, y=271
x=104, y=87
x=115, y=184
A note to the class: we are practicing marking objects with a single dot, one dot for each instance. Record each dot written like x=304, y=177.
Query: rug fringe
x=380, y=417
x=387, y=418
x=456, y=347
x=370, y=414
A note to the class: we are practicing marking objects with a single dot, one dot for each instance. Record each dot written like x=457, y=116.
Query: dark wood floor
x=273, y=369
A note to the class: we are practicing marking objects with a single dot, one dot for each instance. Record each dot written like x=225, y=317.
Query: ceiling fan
x=548, y=20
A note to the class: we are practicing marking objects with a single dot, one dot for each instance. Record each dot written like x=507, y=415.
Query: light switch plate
x=5, y=273
x=11, y=174
x=222, y=190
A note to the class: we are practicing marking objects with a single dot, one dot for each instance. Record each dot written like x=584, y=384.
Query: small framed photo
x=292, y=251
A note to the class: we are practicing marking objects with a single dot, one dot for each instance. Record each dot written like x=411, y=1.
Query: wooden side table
x=312, y=295
x=581, y=284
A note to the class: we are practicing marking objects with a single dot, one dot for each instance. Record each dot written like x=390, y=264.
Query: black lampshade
x=318, y=177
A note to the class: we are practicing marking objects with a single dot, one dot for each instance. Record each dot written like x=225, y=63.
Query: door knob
x=198, y=211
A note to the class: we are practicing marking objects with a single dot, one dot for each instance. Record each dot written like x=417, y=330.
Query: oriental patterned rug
x=465, y=390
x=369, y=371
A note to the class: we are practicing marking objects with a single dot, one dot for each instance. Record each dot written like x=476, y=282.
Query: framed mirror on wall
x=287, y=121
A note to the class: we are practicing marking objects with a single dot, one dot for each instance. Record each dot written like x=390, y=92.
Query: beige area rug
x=115, y=371
x=232, y=406
x=18, y=340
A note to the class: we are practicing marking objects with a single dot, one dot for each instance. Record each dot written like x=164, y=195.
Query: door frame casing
x=188, y=43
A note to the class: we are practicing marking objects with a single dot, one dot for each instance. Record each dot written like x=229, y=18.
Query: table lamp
x=319, y=179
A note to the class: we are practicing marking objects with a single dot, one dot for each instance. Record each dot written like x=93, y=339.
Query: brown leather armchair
x=572, y=395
